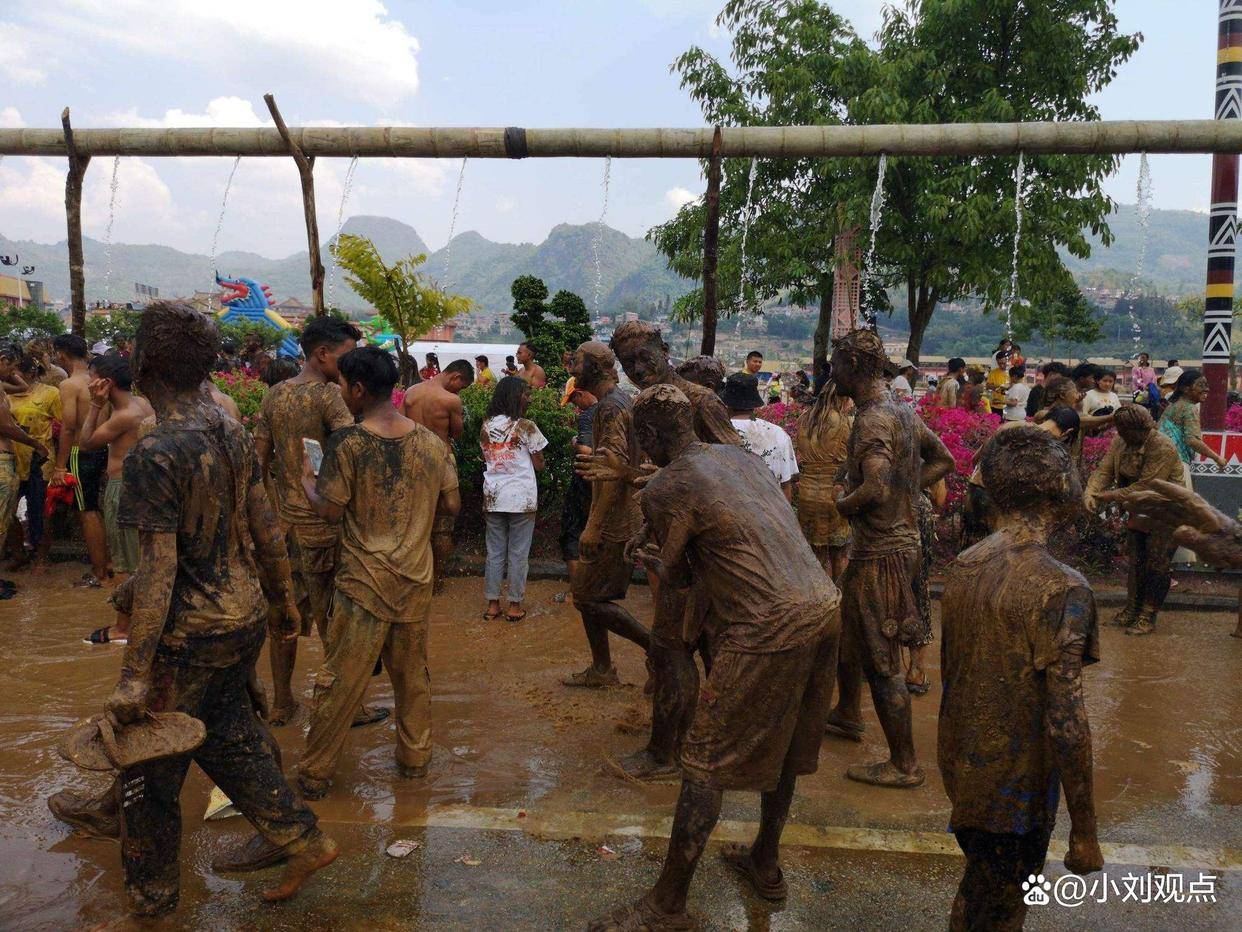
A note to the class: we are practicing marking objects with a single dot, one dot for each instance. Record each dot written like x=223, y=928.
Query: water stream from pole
x=112, y=185
x=1143, y=199
x=742, y=306
x=448, y=247
x=877, y=212
x=1019, y=178
x=346, y=187
x=215, y=237
x=597, y=242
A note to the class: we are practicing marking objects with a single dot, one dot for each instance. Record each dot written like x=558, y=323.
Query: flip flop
x=737, y=858
x=88, y=581
x=101, y=636
x=919, y=689
x=97, y=744
x=514, y=619
x=846, y=730
x=491, y=616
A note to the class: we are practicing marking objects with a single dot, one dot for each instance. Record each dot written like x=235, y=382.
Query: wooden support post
x=306, y=169
x=711, y=240
x=73, y=215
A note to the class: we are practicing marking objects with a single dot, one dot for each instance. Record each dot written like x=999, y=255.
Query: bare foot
x=885, y=773
x=642, y=916
x=283, y=714
x=770, y=886
x=318, y=854
x=839, y=727
x=644, y=768
x=591, y=678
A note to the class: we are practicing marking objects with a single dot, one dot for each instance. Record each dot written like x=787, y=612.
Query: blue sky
x=472, y=62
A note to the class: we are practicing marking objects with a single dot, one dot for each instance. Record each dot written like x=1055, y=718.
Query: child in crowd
x=1102, y=396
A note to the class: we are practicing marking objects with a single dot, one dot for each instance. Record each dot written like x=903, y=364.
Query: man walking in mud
x=601, y=574
x=308, y=406
x=209, y=551
x=1018, y=629
x=680, y=617
x=891, y=456
x=760, y=720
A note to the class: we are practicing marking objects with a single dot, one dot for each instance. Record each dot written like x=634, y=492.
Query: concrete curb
x=1106, y=598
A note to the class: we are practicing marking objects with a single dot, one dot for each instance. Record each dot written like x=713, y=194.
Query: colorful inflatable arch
x=243, y=300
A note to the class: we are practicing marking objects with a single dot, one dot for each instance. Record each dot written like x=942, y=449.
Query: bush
x=246, y=391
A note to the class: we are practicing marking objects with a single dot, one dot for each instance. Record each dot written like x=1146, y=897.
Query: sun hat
x=97, y=743
x=1171, y=375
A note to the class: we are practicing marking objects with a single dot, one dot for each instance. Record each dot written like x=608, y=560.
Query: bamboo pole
x=711, y=239
x=73, y=215
x=960, y=139
x=306, y=171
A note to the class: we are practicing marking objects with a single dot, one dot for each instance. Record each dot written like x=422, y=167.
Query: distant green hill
x=631, y=271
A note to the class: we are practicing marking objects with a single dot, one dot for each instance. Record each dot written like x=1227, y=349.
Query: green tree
x=409, y=302
x=550, y=327
x=1065, y=317
x=118, y=323
x=29, y=323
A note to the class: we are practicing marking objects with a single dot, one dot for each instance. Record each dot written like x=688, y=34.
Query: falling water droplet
x=448, y=248
x=743, y=306
x=1019, y=178
x=215, y=237
x=877, y=211
x=597, y=242
x=346, y=187
x=1143, y=196
x=112, y=185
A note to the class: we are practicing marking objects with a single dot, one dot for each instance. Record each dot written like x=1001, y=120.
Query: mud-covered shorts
x=878, y=611
x=313, y=557
x=759, y=714
x=605, y=578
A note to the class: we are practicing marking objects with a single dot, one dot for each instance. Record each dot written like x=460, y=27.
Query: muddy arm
x=938, y=462
x=275, y=573
x=669, y=564
x=449, y=502
x=1069, y=737
x=1213, y=535
x=1102, y=479
x=877, y=473
x=153, y=585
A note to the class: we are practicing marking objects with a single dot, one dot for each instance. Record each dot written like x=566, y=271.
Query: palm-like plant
x=409, y=302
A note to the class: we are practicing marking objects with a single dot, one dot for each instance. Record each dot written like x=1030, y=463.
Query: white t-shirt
x=508, y=473
x=1015, y=402
x=1096, y=399
x=771, y=444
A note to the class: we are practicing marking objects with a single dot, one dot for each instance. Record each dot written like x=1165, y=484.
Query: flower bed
x=246, y=390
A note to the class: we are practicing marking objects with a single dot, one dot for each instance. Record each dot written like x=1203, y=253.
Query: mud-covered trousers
x=1150, y=572
x=990, y=895
x=207, y=680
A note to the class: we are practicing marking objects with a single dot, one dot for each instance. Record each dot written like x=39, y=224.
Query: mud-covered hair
x=865, y=348
x=664, y=407
x=707, y=371
x=635, y=331
x=1024, y=467
x=370, y=367
x=597, y=361
x=1057, y=390
x=1133, y=418
x=11, y=351
x=175, y=346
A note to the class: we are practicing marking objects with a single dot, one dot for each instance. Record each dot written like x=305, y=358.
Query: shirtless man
x=436, y=404
x=111, y=387
x=88, y=469
x=223, y=400
x=10, y=432
x=531, y=372
x=891, y=455
x=679, y=617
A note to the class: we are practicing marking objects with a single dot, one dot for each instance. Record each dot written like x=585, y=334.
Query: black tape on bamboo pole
x=73, y=217
x=306, y=171
x=711, y=240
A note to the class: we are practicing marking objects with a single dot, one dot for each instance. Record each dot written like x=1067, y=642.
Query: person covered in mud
x=891, y=457
x=308, y=406
x=1018, y=627
x=436, y=404
x=111, y=389
x=821, y=448
x=707, y=371
x=1138, y=456
x=385, y=480
x=679, y=622
x=761, y=718
x=209, y=552
x=601, y=574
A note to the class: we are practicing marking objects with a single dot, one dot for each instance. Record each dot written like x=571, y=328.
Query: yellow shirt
x=35, y=411
x=998, y=388
x=486, y=377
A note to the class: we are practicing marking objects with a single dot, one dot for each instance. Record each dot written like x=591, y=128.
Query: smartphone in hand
x=314, y=452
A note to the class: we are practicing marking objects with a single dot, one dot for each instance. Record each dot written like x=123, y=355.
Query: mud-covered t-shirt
x=1009, y=612
x=290, y=411
x=888, y=429
x=389, y=488
x=767, y=590
x=191, y=477
x=711, y=417
x=612, y=429
x=509, y=482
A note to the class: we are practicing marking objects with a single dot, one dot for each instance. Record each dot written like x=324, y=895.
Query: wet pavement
x=519, y=783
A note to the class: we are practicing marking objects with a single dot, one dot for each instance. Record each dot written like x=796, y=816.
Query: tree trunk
x=921, y=304
x=73, y=217
x=822, y=340
x=711, y=239
x=306, y=172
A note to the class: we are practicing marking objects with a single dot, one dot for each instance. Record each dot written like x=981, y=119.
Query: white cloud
x=10, y=118
x=677, y=198
x=221, y=111
x=17, y=58
x=505, y=204
x=357, y=45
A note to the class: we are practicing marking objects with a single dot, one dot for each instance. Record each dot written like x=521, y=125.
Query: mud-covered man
x=210, y=550
x=891, y=456
x=717, y=517
x=679, y=616
x=307, y=406
x=436, y=404
x=1018, y=629
x=601, y=574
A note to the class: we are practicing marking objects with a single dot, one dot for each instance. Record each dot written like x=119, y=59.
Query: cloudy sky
x=469, y=62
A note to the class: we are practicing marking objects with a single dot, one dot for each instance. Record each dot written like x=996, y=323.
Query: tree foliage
x=29, y=323
x=409, y=302
x=118, y=323
x=550, y=327
x=1060, y=319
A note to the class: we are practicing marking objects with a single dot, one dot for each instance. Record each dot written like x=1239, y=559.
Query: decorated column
x=1223, y=225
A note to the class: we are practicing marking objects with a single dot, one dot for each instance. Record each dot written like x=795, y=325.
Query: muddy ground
x=519, y=785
